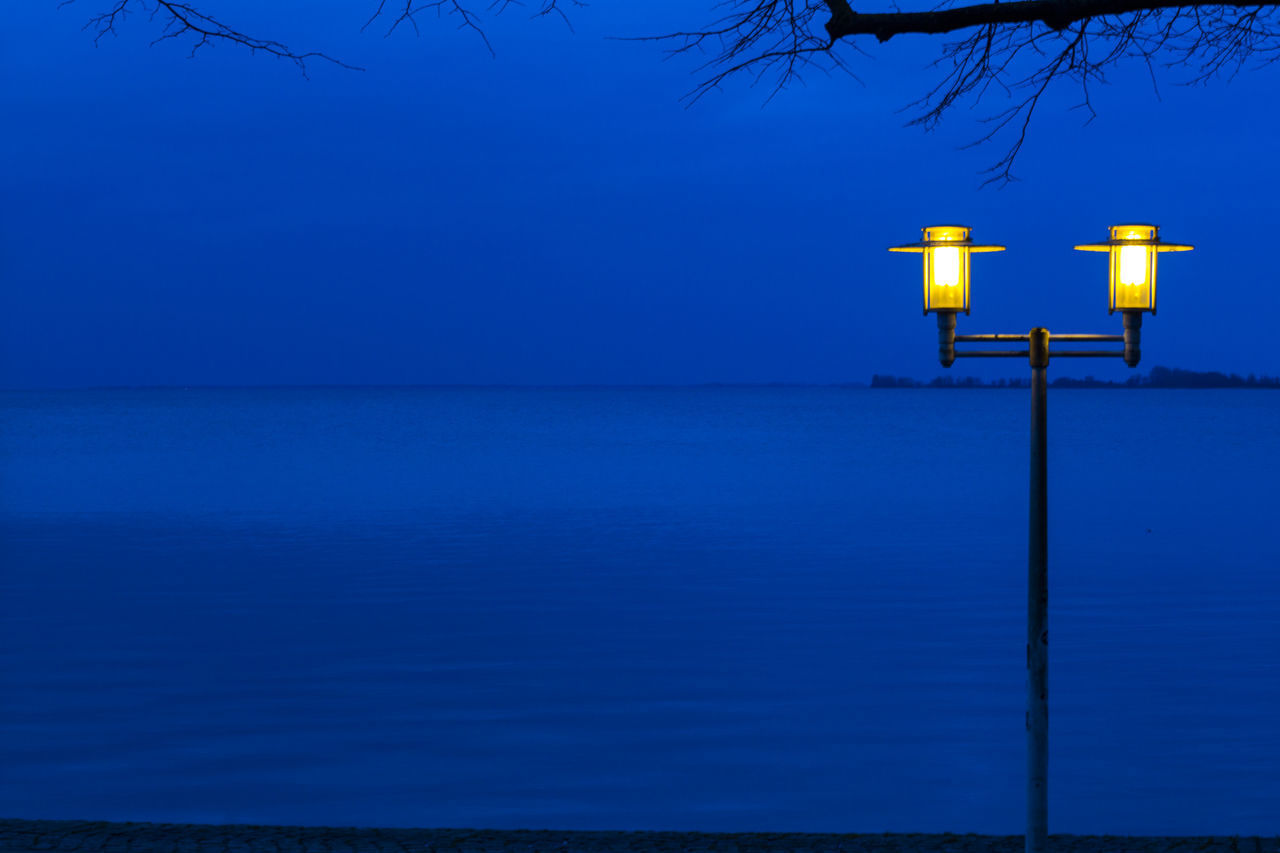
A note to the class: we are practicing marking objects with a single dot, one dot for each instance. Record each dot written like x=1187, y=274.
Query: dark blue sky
x=555, y=215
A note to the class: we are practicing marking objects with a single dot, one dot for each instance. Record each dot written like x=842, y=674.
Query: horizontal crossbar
x=1113, y=339
x=1086, y=353
x=994, y=353
x=1021, y=353
x=973, y=339
x=989, y=338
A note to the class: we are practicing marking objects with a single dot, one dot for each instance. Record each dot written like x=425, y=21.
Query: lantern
x=1133, y=251
x=946, y=250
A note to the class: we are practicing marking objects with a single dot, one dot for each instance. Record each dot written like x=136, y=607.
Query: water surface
x=704, y=608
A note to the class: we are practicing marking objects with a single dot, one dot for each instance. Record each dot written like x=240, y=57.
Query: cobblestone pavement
x=92, y=837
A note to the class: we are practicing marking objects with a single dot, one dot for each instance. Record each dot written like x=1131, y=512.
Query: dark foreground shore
x=90, y=836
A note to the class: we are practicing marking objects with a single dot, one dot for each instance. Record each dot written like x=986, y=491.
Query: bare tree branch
x=1054, y=14
x=406, y=12
x=1014, y=50
x=182, y=20
x=771, y=41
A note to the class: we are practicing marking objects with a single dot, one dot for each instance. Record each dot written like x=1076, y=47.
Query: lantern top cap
x=1135, y=235
x=945, y=235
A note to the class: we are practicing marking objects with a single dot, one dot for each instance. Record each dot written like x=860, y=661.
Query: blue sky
x=555, y=214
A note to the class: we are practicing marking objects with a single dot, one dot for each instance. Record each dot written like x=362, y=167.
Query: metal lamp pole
x=946, y=250
x=1038, y=603
x=1037, y=721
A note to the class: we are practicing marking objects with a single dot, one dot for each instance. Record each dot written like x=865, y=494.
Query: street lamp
x=946, y=251
x=1133, y=250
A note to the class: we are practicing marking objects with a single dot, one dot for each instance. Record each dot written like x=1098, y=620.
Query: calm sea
x=702, y=608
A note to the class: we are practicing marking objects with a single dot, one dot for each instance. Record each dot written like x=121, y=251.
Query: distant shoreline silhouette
x=1159, y=377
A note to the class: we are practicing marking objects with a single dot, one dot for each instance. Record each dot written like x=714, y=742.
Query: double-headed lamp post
x=1133, y=250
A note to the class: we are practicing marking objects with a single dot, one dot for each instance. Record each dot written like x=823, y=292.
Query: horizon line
x=957, y=381
x=494, y=385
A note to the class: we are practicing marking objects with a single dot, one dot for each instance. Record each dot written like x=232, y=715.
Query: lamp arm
x=990, y=338
x=994, y=353
x=947, y=340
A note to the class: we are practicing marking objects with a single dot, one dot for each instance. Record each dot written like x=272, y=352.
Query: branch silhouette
x=1017, y=50
x=182, y=20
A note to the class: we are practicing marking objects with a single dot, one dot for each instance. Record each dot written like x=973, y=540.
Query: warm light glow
x=946, y=250
x=1133, y=251
x=946, y=266
x=1133, y=265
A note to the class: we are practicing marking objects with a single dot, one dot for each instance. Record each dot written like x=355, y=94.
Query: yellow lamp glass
x=1133, y=268
x=1133, y=250
x=946, y=250
x=1132, y=265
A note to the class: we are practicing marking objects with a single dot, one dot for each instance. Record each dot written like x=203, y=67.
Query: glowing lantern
x=946, y=250
x=1133, y=251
